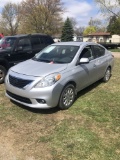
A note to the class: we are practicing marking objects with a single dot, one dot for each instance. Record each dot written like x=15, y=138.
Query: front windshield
x=57, y=54
x=7, y=42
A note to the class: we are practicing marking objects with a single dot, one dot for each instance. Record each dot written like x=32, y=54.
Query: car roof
x=24, y=35
x=75, y=43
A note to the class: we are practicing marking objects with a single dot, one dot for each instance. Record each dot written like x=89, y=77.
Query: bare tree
x=110, y=7
x=10, y=18
x=98, y=24
x=42, y=15
x=79, y=30
x=74, y=22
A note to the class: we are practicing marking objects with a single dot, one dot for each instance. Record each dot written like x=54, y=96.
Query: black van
x=18, y=48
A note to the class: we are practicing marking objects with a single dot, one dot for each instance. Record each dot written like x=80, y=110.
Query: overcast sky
x=81, y=10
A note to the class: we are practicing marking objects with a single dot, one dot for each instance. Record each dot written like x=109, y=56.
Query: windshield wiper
x=48, y=60
x=43, y=60
x=60, y=62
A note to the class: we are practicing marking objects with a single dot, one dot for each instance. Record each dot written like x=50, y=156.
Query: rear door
x=36, y=44
x=23, y=50
x=100, y=61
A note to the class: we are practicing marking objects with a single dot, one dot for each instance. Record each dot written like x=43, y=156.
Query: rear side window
x=35, y=42
x=49, y=40
x=42, y=41
x=46, y=40
x=98, y=51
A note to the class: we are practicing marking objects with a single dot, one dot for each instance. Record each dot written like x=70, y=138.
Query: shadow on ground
x=56, y=109
x=88, y=89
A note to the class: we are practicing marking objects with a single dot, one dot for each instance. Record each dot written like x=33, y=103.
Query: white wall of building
x=115, y=39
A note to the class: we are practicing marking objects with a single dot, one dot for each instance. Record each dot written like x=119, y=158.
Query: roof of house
x=100, y=34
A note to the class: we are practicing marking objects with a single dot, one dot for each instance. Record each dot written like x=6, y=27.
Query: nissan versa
x=55, y=75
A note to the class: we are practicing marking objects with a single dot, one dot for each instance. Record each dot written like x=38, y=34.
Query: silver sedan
x=56, y=74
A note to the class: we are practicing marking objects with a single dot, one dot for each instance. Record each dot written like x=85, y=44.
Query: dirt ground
x=116, y=54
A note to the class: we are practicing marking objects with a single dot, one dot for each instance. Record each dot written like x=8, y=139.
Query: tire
x=67, y=97
x=2, y=74
x=107, y=75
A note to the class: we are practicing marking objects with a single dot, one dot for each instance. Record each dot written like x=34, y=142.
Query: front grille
x=18, y=82
x=19, y=98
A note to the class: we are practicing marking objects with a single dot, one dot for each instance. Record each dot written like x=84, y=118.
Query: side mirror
x=84, y=60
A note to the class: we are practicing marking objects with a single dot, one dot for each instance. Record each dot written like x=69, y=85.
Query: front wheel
x=107, y=75
x=67, y=97
x=2, y=74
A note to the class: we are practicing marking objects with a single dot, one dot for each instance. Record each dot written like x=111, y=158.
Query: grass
x=115, y=50
x=89, y=130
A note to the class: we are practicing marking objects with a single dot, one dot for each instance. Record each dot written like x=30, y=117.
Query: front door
x=85, y=73
x=22, y=51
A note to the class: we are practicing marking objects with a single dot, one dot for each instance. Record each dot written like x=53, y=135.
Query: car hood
x=35, y=68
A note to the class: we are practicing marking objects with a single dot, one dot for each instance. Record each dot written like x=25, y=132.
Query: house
x=102, y=37
x=77, y=38
x=98, y=37
x=57, y=38
x=115, y=39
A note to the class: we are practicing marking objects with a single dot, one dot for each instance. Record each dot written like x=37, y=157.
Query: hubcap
x=108, y=75
x=1, y=74
x=68, y=96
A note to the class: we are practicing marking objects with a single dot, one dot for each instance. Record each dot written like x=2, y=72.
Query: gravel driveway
x=116, y=54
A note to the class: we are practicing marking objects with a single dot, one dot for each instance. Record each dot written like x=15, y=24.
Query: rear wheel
x=107, y=75
x=2, y=74
x=67, y=97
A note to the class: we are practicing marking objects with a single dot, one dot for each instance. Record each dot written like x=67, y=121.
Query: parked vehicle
x=1, y=36
x=15, y=49
x=55, y=75
x=110, y=45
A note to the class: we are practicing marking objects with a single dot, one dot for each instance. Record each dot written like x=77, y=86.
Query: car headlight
x=48, y=80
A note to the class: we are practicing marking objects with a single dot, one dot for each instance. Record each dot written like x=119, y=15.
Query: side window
x=98, y=51
x=24, y=44
x=35, y=42
x=87, y=53
x=45, y=40
x=42, y=40
x=49, y=39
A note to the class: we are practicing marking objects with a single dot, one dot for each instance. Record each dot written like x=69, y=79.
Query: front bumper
x=42, y=98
